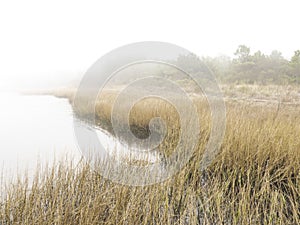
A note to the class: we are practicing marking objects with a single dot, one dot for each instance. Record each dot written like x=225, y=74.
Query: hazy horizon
x=50, y=44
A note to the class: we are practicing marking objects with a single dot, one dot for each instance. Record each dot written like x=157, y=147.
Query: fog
x=51, y=44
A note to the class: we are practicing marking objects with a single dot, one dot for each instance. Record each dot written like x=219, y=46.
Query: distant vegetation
x=250, y=68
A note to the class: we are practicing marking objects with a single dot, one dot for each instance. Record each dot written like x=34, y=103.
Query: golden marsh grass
x=254, y=180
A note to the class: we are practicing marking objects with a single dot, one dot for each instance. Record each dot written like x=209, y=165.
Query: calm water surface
x=40, y=129
x=34, y=129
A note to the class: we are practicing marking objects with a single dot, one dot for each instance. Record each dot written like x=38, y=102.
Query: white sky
x=58, y=40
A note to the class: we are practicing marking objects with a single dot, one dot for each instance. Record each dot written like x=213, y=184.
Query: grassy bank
x=254, y=180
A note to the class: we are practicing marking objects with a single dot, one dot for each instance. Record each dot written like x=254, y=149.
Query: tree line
x=247, y=68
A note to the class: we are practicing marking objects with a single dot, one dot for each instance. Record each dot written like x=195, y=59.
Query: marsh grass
x=255, y=179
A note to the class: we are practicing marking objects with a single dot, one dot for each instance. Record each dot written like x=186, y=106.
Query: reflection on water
x=114, y=148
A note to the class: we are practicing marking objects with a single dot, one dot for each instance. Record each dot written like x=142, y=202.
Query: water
x=34, y=129
x=40, y=129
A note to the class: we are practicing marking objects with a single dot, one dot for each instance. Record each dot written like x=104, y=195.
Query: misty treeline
x=249, y=68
